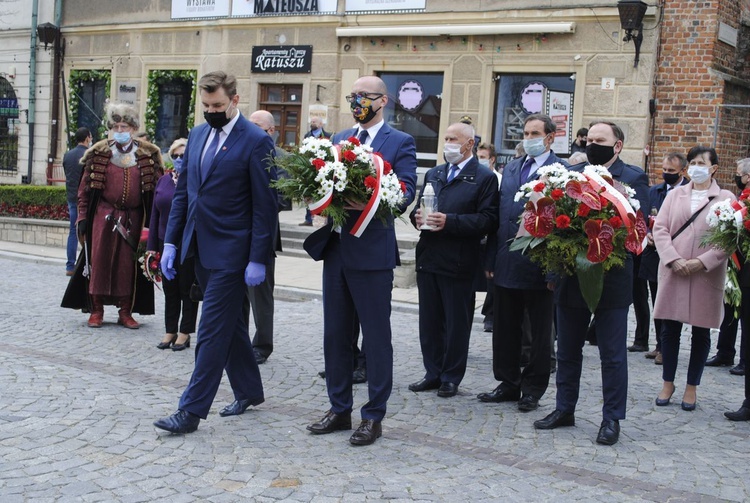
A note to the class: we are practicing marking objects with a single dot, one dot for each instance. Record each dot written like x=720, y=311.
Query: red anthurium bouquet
x=579, y=223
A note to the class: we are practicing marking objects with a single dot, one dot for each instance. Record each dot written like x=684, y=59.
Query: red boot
x=97, y=312
x=125, y=317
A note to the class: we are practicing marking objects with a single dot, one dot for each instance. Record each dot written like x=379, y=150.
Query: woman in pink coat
x=691, y=277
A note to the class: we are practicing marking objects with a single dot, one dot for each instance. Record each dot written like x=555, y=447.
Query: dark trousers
x=653, y=287
x=611, y=332
x=348, y=294
x=445, y=315
x=223, y=343
x=177, y=298
x=642, y=311
x=725, y=345
x=261, y=302
x=700, y=344
x=507, y=337
x=72, y=245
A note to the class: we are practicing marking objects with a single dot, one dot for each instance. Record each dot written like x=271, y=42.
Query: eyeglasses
x=177, y=156
x=364, y=99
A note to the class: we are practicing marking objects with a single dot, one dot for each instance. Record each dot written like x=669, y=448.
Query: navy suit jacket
x=511, y=268
x=230, y=217
x=376, y=249
x=618, y=282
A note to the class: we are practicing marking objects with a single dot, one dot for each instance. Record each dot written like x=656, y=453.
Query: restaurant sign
x=281, y=59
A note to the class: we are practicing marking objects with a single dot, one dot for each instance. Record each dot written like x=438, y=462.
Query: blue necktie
x=208, y=159
x=362, y=137
x=452, y=172
x=526, y=169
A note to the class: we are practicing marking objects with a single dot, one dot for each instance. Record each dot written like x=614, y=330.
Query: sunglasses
x=178, y=156
x=364, y=99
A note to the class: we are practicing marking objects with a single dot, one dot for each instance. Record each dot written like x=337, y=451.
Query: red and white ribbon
x=316, y=207
x=372, y=205
x=611, y=194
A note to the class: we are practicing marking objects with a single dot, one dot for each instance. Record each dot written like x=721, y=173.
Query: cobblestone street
x=77, y=406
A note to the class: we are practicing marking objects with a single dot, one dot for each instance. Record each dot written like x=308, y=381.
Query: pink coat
x=697, y=299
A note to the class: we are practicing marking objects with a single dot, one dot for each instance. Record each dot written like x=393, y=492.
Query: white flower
x=721, y=215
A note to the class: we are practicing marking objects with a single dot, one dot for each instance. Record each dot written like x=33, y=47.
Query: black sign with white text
x=282, y=59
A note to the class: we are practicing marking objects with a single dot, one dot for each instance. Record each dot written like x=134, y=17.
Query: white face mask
x=699, y=174
x=534, y=146
x=484, y=162
x=452, y=153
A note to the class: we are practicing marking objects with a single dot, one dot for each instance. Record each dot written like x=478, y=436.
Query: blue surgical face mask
x=178, y=165
x=534, y=147
x=484, y=162
x=121, y=137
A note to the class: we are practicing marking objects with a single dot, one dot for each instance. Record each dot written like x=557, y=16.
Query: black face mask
x=738, y=181
x=671, y=178
x=217, y=120
x=363, y=115
x=599, y=154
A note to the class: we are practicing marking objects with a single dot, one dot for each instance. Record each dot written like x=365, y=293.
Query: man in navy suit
x=605, y=142
x=358, y=277
x=447, y=256
x=520, y=285
x=224, y=214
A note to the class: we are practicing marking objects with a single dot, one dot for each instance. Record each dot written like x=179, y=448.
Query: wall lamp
x=48, y=34
x=631, y=20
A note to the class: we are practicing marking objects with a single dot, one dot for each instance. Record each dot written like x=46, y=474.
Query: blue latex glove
x=255, y=274
x=168, y=255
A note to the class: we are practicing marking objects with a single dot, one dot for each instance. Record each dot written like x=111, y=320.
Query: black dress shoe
x=424, y=385
x=331, y=422
x=239, y=407
x=739, y=370
x=359, y=375
x=499, y=395
x=555, y=419
x=719, y=361
x=369, y=430
x=609, y=433
x=447, y=390
x=181, y=421
x=260, y=358
x=638, y=348
x=527, y=403
x=743, y=414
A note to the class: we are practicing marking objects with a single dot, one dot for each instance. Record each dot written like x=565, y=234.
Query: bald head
x=370, y=84
x=264, y=120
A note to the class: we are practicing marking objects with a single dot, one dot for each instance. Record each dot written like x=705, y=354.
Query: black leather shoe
x=638, y=348
x=743, y=414
x=739, y=370
x=555, y=419
x=609, y=433
x=239, y=407
x=359, y=375
x=260, y=358
x=447, y=390
x=424, y=385
x=181, y=421
x=689, y=407
x=331, y=422
x=369, y=430
x=719, y=361
x=499, y=395
x=527, y=403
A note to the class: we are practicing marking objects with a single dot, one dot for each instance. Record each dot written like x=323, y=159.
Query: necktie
x=210, y=154
x=452, y=171
x=526, y=169
x=362, y=137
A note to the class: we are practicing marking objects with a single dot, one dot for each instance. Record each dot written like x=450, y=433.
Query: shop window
x=172, y=112
x=89, y=90
x=9, y=124
x=518, y=96
x=284, y=103
x=413, y=107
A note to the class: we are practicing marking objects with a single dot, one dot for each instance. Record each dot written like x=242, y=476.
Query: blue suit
x=611, y=320
x=357, y=280
x=520, y=286
x=225, y=219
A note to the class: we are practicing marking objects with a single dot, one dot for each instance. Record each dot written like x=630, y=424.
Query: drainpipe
x=57, y=55
x=30, y=117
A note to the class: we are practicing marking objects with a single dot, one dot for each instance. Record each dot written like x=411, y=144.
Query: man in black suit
x=520, y=285
x=605, y=142
x=447, y=254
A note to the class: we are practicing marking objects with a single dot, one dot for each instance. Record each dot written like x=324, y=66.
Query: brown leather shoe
x=331, y=422
x=658, y=360
x=96, y=319
x=651, y=354
x=369, y=430
x=126, y=319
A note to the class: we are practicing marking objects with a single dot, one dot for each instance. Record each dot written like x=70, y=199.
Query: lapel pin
x=223, y=148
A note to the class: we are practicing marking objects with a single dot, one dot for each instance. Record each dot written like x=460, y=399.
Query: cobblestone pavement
x=77, y=406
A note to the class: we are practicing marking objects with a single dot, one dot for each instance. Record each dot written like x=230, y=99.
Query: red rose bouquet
x=579, y=223
x=330, y=177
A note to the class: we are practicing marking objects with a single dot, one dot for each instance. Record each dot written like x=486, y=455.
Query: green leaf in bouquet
x=590, y=280
x=520, y=243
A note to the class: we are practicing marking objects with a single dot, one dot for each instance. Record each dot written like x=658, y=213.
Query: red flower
x=585, y=193
x=636, y=232
x=349, y=155
x=600, y=235
x=353, y=140
x=745, y=194
x=539, y=219
x=746, y=225
x=403, y=186
x=557, y=194
x=387, y=168
x=318, y=163
x=615, y=222
x=583, y=210
x=604, y=201
x=371, y=183
x=539, y=187
x=563, y=221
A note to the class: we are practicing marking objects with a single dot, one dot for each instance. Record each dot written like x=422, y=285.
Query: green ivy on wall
x=155, y=79
x=77, y=78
